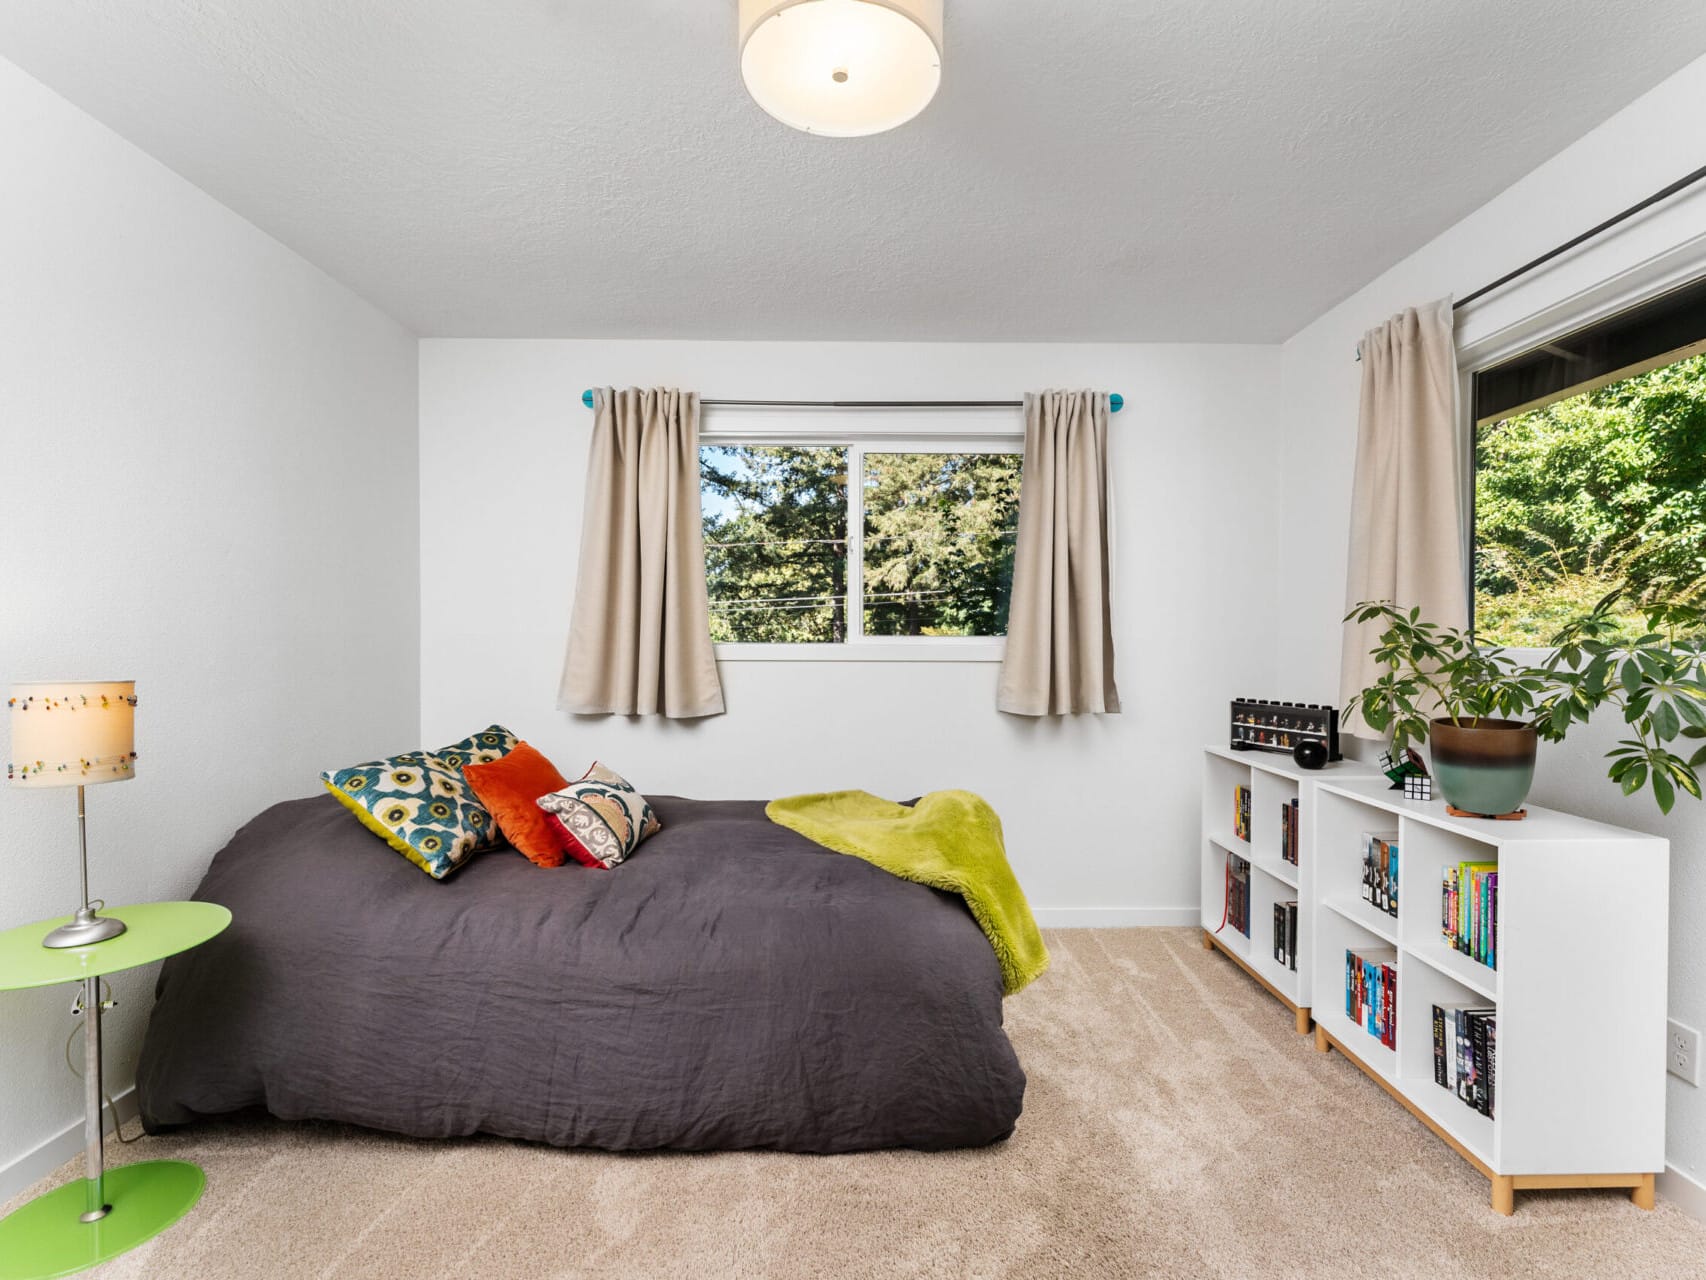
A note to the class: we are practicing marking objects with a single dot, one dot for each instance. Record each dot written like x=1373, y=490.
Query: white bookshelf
x=1274, y=780
x=1580, y=985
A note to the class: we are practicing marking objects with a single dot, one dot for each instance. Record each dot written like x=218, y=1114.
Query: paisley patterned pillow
x=601, y=819
x=419, y=804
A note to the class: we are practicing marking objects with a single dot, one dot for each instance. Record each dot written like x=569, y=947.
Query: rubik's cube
x=1418, y=786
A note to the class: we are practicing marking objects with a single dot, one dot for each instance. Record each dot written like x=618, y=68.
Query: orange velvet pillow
x=510, y=788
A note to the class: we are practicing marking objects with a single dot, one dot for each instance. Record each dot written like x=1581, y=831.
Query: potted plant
x=1484, y=712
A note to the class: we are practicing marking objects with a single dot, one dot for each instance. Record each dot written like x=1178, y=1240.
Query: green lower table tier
x=45, y=1237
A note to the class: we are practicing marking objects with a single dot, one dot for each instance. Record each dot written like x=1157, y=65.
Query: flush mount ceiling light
x=842, y=68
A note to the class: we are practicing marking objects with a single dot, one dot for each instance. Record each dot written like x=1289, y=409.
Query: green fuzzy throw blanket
x=949, y=840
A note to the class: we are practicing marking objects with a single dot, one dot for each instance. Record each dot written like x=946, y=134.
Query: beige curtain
x=1406, y=541
x=1060, y=639
x=640, y=638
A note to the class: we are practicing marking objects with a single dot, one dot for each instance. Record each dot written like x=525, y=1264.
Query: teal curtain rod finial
x=1116, y=402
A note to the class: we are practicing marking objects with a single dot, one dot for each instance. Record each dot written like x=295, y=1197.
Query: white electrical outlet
x=1682, y=1052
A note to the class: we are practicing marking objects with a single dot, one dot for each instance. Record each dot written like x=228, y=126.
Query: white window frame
x=892, y=434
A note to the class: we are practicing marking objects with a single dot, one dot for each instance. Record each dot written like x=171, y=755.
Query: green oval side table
x=74, y=1227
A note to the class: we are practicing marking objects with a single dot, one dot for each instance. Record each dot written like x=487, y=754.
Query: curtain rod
x=1589, y=234
x=1688, y=180
x=1116, y=402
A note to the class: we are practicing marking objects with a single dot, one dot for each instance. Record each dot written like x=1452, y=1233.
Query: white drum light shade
x=841, y=68
x=72, y=733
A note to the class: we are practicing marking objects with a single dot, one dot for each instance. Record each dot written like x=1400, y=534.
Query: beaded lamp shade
x=72, y=733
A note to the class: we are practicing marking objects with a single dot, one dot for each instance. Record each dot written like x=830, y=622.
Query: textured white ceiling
x=1186, y=170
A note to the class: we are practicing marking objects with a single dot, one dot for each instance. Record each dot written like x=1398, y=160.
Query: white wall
x=1648, y=145
x=207, y=484
x=1100, y=813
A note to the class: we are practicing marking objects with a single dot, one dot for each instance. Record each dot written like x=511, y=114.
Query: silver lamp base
x=85, y=929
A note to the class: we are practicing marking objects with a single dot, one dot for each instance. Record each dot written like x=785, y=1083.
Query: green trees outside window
x=935, y=551
x=939, y=535
x=775, y=542
x=1599, y=491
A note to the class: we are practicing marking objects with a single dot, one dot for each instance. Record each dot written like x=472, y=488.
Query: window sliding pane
x=775, y=521
x=1596, y=492
x=938, y=545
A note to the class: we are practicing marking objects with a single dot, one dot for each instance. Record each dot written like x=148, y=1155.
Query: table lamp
x=74, y=733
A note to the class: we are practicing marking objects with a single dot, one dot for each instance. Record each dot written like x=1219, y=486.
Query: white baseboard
x=1683, y=1191
x=36, y=1164
x=1115, y=917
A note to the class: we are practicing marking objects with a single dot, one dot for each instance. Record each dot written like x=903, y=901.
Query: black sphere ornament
x=1310, y=753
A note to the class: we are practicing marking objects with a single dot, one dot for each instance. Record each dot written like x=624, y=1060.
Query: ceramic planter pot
x=1483, y=766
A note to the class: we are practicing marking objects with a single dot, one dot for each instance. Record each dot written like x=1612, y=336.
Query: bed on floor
x=731, y=986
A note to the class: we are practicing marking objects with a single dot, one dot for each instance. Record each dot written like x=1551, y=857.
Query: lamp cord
x=106, y=1003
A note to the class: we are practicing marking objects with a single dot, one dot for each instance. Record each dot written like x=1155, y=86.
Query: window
x=775, y=542
x=1590, y=472
x=933, y=559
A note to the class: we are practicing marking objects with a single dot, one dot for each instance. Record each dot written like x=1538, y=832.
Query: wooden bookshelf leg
x=1642, y=1193
x=1207, y=942
x=1303, y=1022
x=1504, y=1195
x=1322, y=1044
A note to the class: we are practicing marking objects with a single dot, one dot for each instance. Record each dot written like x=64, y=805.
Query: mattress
x=732, y=985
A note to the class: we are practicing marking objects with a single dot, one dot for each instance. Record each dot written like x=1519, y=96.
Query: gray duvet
x=732, y=985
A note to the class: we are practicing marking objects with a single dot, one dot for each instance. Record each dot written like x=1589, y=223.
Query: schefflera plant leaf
x=1657, y=681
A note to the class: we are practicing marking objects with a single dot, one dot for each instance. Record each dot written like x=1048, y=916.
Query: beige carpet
x=1175, y=1125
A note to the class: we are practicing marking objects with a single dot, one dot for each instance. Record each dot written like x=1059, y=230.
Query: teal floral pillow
x=418, y=803
x=492, y=743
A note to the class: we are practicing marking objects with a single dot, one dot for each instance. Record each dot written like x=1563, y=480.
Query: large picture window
x=932, y=558
x=1590, y=472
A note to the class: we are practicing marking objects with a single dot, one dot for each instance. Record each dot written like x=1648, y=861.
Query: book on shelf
x=1289, y=831
x=1238, y=893
x=1371, y=992
x=1469, y=910
x=1285, y=934
x=1380, y=870
x=1241, y=811
x=1466, y=1053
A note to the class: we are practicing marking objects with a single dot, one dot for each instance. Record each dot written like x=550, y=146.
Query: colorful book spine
x=1480, y=1096
x=1241, y=812
x=1466, y=1054
x=1371, y=992
x=1469, y=910
x=1380, y=870
x=1290, y=832
x=1465, y=1059
x=1491, y=1024
x=1285, y=934
x=1238, y=894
